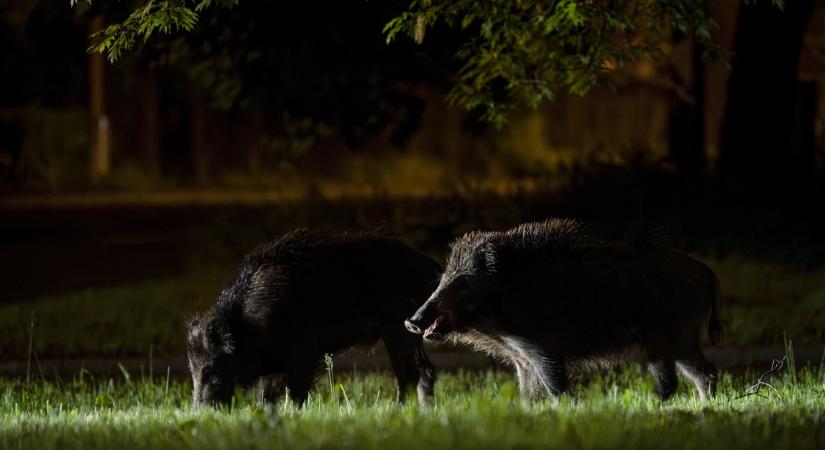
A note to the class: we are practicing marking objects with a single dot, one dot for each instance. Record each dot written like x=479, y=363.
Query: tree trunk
x=251, y=137
x=100, y=151
x=687, y=126
x=199, y=144
x=150, y=137
x=761, y=157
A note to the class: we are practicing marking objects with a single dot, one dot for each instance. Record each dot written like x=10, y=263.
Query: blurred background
x=130, y=191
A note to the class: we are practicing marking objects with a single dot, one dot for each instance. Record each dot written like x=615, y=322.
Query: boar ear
x=485, y=257
x=218, y=337
x=193, y=329
x=261, y=294
x=228, y=345
x=192, y=323
x=225, y=343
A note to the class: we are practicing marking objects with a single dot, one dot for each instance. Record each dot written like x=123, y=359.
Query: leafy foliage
x=161, y=16
x=146, y=20
x=525, y=52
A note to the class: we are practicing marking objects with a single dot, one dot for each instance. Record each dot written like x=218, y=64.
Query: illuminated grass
x=471, y=411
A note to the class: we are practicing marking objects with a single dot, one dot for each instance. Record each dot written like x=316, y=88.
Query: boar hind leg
x=413, y=370
x=664, y=376
x=269, y=388
x=299, y=380
x=554, y=376
x=701, y=372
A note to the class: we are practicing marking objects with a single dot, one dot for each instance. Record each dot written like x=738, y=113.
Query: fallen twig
x=776, y=366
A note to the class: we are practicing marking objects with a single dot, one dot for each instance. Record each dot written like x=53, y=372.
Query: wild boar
x=306, y=295
x=546, y=297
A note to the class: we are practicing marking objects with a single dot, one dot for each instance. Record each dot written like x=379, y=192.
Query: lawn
x=472, y=410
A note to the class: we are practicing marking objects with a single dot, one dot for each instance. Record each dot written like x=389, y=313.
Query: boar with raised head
x=306, y=295
x=545, y=297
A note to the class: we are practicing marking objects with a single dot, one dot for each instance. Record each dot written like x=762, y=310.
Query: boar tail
x=715, y=330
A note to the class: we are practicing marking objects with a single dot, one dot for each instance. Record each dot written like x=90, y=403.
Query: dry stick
x=57, y=378
x=150, y=362
x=822, y=360
x=166, y=389
x=790, y=355
x=776, y=365
x=31, y=346
x=377, y=396
x=39, y=367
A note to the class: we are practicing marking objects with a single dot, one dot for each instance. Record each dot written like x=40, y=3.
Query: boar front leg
x=536, y=371
x=413, y=370
x=269, y=388
x=528, y=385
x=553, y=376
x=547, y=377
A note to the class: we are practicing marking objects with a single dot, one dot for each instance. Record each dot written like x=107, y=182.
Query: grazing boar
x=545, y=297
x=306, y=295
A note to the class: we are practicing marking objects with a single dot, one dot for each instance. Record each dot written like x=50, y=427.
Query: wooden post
x=100, y=151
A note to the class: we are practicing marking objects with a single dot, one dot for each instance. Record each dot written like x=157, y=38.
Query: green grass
x=472, y=410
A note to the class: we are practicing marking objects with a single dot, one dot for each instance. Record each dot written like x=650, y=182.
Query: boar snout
x=411, y=327
x=430, y=321
x=422, y=318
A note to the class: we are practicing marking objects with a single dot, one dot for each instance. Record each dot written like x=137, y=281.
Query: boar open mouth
x=438, y=330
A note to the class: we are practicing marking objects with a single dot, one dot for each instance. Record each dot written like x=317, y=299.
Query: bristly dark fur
x=547, y=296
x=477, y=249
x=305, y=295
